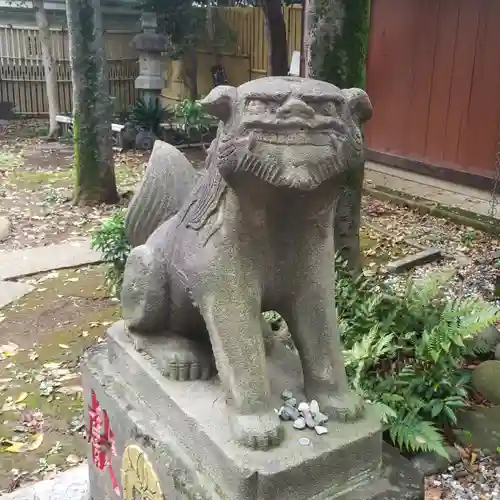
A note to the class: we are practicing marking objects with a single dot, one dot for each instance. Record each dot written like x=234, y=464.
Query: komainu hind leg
x=145, y=309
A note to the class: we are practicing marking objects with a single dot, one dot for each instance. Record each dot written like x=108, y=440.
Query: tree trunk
x=95, y=174
x=334, y=46
x=323, y=23
x=49, y=66
x=190, y=64
x=276, y=38
x=335, y=41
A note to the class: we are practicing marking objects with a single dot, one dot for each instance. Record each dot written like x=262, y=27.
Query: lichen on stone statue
x=253, y=232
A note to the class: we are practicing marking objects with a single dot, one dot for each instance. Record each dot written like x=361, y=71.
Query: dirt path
x=43, y=336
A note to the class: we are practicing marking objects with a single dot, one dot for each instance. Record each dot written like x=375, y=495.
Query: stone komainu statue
x=253, y=232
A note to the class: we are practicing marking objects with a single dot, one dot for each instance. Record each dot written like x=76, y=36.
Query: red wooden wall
x=433, y=75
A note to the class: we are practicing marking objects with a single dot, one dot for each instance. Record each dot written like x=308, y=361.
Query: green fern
x=413, y=434
x=404, y=352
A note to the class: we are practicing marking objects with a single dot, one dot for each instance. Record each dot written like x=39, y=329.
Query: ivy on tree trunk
x=336, y=41
x=335, y=46
x=95, y=175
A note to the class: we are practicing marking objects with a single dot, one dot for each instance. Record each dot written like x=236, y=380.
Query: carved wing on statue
x=168, y=180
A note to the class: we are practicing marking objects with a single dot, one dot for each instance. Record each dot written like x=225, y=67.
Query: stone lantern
x=150, y=46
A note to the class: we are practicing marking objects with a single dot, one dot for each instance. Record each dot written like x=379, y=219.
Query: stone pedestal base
x=157, y=439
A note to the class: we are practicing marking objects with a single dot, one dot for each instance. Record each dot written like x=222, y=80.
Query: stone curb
x=72, y=484
x=424, y=206
x=33, y=260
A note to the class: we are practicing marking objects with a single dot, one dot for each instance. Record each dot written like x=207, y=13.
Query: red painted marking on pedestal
x=102, y=439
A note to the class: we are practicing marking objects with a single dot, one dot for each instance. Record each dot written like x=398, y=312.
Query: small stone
x=485, y=380
x=294, y=412
x=320, y=430
x=429, y=463
x=288, y=413
x=314, y=407
x=5, y=227
x=299, y=424
x=320, y=418
x=286, y=395
x=283, y=414
x=303, y=407
x=304, y=441
x=309, y=420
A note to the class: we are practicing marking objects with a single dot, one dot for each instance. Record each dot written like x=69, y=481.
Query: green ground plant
x=150, y=114
x=194, y=122
x=110, y=239
x=405, y=352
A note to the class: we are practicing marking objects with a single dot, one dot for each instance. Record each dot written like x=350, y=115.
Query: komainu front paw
x=344, y=407
x=177, y=358
x=259, y=432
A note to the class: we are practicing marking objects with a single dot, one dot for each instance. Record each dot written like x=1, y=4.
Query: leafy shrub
x=110, y=239
x=194, y=121
x=405, y=352
x=150, y=114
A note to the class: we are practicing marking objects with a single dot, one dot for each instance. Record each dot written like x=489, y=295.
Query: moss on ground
x=30, y=179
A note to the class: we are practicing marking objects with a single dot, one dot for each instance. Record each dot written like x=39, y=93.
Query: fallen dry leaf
x=73, y=459
x=70, y=390
x=8, y=350
x=21, y=397
x=19, y=447
x=433, y=493
x=64, y=346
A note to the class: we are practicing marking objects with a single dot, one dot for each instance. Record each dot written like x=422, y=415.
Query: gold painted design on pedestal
x=139, y=480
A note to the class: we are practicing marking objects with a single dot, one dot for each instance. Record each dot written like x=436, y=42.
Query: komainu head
x=288, y=131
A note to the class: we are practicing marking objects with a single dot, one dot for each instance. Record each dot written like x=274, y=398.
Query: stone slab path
x=35, y=260
x=72, y=484
x=439, y=191
x=11, y=291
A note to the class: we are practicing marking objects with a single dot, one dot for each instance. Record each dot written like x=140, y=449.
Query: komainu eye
x=256, y=106
x=324, y=108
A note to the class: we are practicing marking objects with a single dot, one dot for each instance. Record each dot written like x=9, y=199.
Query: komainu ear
x=359, y=103
x=220, y=101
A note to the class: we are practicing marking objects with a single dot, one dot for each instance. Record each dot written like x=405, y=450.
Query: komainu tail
x=168, y=180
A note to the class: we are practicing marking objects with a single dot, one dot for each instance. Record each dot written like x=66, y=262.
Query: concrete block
x=40, y=259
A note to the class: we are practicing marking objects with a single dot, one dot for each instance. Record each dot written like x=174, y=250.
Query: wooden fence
x=245, y=58
x=22, y=77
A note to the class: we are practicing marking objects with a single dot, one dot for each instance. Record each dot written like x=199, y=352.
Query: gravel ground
x=480, y=481
x=472, y=253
